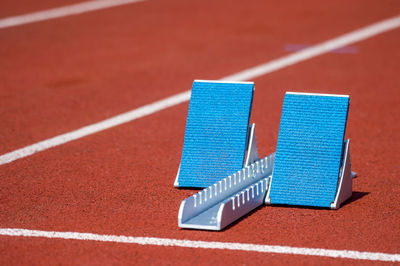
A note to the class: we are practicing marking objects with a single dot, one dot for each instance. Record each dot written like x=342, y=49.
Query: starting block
x=311, y=167
x=311, y=153
x=217, y=133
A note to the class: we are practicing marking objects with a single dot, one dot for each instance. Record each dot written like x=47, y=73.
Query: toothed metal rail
x=222, y=203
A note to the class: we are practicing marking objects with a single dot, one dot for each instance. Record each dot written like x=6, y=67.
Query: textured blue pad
x=309, y=150
x=216, y=132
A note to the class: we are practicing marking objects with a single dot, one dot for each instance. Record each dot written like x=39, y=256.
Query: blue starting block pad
x=311, y=166
x=309, y=153
x=217, y=129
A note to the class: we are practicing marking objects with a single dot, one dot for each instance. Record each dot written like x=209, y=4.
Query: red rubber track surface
x=61, y=74
x=9, y=8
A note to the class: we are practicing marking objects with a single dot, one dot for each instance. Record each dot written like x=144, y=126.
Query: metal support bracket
x=252, y=150
x=344, y=190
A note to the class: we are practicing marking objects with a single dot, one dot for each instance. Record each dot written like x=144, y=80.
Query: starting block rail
x=225, y=201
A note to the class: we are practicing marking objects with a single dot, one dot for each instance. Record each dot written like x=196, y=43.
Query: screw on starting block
x=311, y=166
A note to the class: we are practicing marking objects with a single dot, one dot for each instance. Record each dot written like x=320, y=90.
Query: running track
x=62, y=74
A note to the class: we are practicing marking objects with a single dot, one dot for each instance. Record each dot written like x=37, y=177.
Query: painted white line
x=97, y=127
x=319, y=49
x=62, y=12
x=285, y=61
x=317, y=94
x=347, y=254
x=224, y=81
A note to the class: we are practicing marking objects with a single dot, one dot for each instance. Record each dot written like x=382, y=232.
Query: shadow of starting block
x=311, y=167
x=217, y=133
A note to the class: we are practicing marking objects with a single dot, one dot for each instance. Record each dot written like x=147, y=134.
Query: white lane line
x=319, y=49
x=274, y=65
x=62, y=12
x=155, y=241
x=97, y=127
